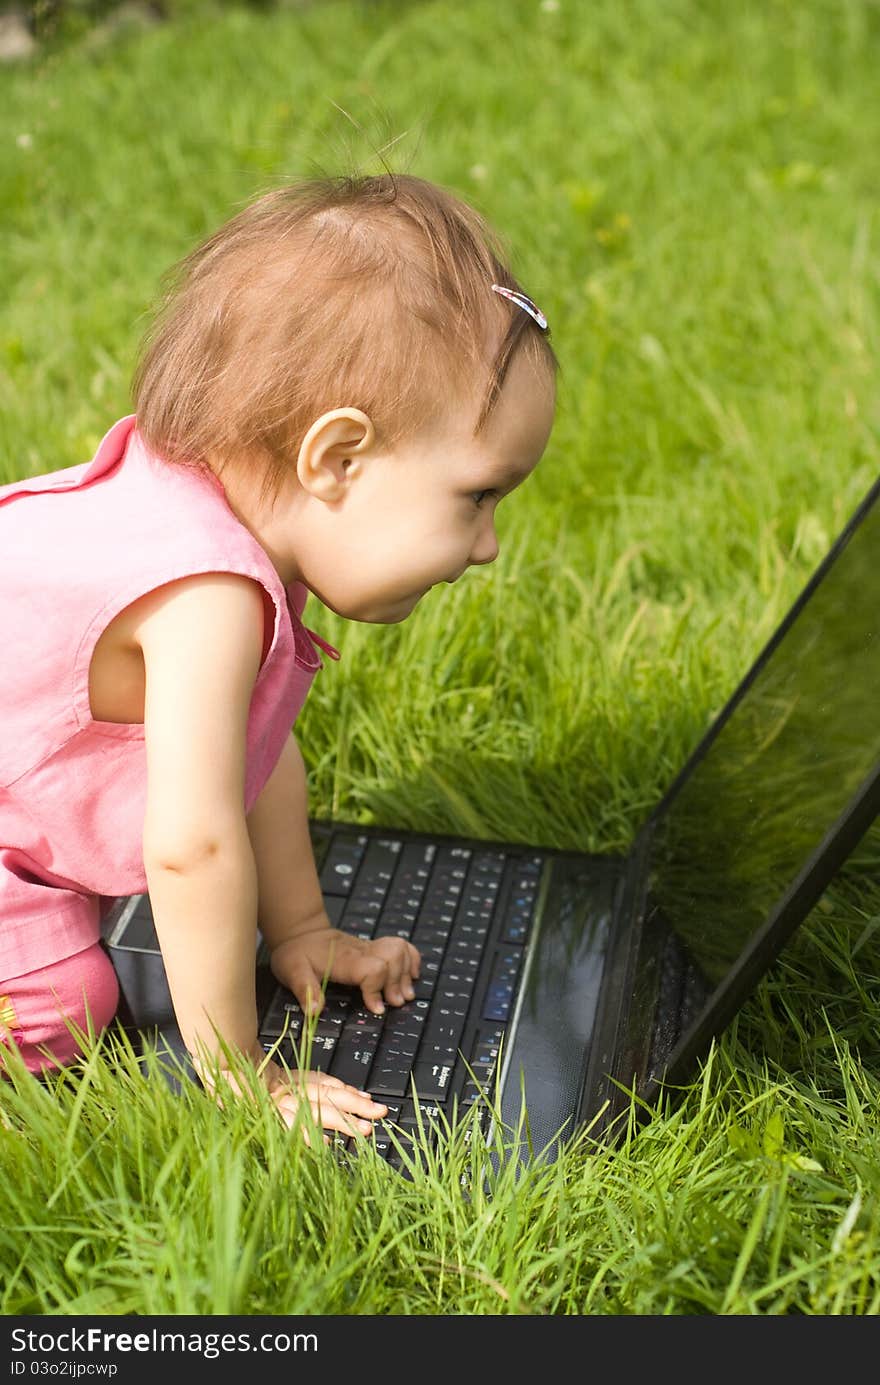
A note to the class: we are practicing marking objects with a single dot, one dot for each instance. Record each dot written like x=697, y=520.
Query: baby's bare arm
x=305, y=950
x=290, y=898
x=201, y=639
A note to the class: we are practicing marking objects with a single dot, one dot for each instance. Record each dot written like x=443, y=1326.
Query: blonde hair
x=367, y=291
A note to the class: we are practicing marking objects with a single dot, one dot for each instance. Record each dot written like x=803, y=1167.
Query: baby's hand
x=334, y=1104
x=384, y=968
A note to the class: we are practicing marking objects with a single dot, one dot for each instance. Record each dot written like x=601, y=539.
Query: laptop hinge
x=601, y=1091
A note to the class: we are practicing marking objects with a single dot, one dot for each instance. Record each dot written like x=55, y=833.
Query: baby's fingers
x=403, y=963
x=373, y=979
x=305, y=983
x=337, y=1106
x=334, y=1105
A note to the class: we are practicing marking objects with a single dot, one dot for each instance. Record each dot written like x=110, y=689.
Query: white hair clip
x=522, y=302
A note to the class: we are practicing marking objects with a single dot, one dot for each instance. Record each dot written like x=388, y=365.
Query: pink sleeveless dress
x=77, y=546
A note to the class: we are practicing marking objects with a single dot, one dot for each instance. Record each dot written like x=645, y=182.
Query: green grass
x=689, y=192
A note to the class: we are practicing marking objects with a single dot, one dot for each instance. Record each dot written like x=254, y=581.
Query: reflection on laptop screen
x=731, y=837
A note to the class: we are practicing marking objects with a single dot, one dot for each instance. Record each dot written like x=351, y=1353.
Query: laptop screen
x=779, y=768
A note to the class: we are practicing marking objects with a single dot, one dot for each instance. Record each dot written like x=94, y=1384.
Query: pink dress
x=78, y=546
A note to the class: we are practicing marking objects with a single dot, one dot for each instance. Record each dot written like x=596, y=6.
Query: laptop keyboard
x=469, y=911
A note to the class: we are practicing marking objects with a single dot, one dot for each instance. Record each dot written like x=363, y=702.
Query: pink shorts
x=36, y=1009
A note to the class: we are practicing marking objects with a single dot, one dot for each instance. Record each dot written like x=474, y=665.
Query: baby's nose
x=486, y=549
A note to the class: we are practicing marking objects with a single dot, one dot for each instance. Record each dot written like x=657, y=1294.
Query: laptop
x=562, y=989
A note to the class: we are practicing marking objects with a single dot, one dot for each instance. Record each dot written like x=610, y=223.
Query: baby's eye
x=480, y=496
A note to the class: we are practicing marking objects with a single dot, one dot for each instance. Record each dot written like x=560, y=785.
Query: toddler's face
x=408, y=519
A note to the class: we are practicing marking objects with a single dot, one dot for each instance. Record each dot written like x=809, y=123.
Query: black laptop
x=563, y=982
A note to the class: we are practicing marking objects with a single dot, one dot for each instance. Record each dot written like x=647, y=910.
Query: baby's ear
x=330, y=452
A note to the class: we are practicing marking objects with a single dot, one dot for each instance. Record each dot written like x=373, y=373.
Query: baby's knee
x=47, y=1014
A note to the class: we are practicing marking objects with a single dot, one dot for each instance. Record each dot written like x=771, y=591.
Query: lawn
x=688, y=190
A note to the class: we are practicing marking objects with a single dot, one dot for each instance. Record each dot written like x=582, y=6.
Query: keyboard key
x=470, y=934
x=353, y=1065
x=341, y=863
x=390, y=1075
x=443, y=1052
x=420, y=1119
x=417, y=860
x=366, y=901
x=516, y=930
x=328, y=1025
x=429, y=951
x=281, y=1050
x=438, y=1033
x=381, y=1142
x=426, y=935
x=387, y=1081
x=334, y=905
x=390, y=928
x=339, y=1000
x=433, y=1080
x=284, y=1016
x=381, y=1136
x=397, y=1049
x=355, y=1047
x=317, y=1057
x=358, y=925
x=380, y=862
x=482, y=1061
x=498, y=1002
x=439, y=916
x=463, y=982
x=362, y=1021
x=408, y=1018
x=486, y=1047
x=467, y=962
x=502, y=984
x=491, y=862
